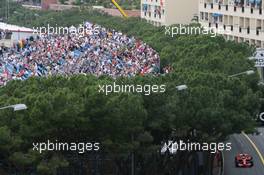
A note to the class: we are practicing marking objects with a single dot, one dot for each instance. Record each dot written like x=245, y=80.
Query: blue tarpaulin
x=77, y=53
x=258, y=1
x=9, y=68
x=217, y=14
x=145, y=7
x=254, y=1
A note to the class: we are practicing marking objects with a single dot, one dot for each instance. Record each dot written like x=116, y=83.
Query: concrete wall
x=175, y=11
x=180, y=11
x=45, y=4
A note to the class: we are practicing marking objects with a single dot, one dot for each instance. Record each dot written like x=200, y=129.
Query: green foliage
x=62, y=1
x=72, y=109
x=13, y=6
x=50, y=167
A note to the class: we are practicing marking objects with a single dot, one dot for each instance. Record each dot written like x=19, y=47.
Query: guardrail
x=222, y=164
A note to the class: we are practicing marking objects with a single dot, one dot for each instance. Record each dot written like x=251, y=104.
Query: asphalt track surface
x=242, y=144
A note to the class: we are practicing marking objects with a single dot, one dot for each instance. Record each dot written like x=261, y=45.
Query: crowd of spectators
x=104, y=52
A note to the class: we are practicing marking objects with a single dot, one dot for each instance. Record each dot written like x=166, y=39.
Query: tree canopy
x=72, y=109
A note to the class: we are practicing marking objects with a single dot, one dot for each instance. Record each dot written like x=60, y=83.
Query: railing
x=219, y=7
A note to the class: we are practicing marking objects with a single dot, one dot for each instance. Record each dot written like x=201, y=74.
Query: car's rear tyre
x=236, y=164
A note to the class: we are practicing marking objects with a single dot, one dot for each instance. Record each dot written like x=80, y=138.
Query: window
x=202, y=15
x=220, y=18
x=257, y=30
x=206, y=16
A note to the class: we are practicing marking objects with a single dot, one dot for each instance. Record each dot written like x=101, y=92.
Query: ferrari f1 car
x=244, y=160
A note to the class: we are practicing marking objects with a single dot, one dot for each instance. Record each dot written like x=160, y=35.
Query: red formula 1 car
x=244, y=160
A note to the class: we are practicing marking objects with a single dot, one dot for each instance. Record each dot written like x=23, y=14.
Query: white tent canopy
x=17, y=33
x=14, y=28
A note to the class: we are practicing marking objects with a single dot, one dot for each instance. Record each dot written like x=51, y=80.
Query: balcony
x=246, y=32
x=249, y=12
x=156, y=2
x=237, y=31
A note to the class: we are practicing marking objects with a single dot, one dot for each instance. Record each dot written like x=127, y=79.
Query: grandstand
x=101, y=52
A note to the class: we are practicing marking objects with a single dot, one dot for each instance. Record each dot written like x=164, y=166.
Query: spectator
x=105, y=52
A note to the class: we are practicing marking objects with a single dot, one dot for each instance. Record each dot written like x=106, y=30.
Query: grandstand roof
x=14, y=28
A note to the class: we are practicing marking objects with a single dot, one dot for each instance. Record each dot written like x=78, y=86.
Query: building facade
x=168, y=12
x=242, y=20
x=45, y=4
